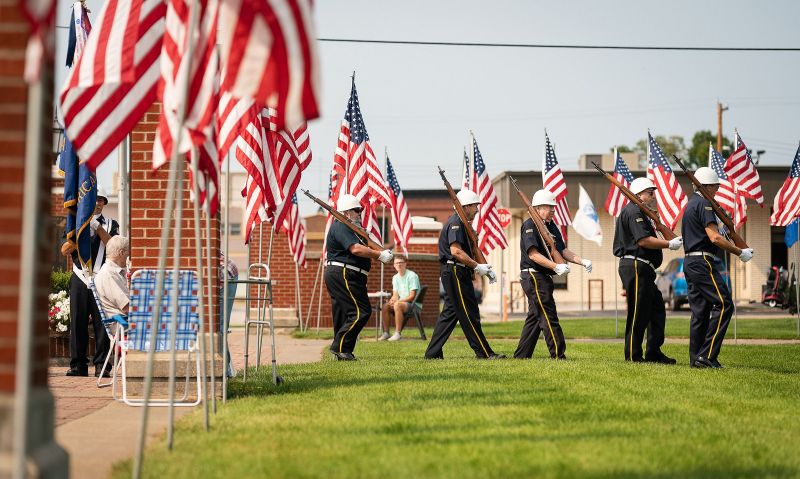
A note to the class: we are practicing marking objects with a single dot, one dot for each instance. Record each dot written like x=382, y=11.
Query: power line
x=563, y=47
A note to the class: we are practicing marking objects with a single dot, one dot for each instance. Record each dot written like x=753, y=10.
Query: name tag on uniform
x=639, y=220
x=529, y=231
x=709, y=208
x=455, y=227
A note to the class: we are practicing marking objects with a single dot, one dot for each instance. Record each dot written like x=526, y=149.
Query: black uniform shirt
x=529, y=238
x=633, y=225
x=96, y=242
x=453, y=232
x=339, y=240
x=697, y=215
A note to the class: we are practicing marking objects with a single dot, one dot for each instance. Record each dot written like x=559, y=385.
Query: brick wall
x=148, y=191
x=422, y=260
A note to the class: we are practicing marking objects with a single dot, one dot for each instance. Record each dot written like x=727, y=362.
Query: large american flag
x=728, y=196
x=291, y=155
x=295, y=233
x=741, y=169
x=615, y=200
x=401, y=219
x=553, y=181
x=252, y=152
x=355, y=159
x=487, y=221
x=786, y=206
x=669, y=194
x=270, y=54
x=114, y=81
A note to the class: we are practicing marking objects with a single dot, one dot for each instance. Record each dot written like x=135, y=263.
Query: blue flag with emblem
x=80, y=200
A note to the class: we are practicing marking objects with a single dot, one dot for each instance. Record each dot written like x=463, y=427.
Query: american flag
x=202, y=97
x=207, y=176
x=114, y=81
x=296, y=233
x=669, y=194
x=728, y=196
x=786, y=206
x=355, y=159
x=270, y=54
x=291, y=154
x=615, y=200
x=252, y=152
x=40, y=15
x=553, y=181
x=401, y=219
x=741, y=170
x=490, y=233
x=233, y=116
x=335, y=187
x=465, y=181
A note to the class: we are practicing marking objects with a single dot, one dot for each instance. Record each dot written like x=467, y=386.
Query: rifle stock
x=346, y=221
x=667, y=233
x=735, y=237
x=462, y=215
x=540, y=226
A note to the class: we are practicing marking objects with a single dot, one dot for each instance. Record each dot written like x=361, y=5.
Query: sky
x=420, y=102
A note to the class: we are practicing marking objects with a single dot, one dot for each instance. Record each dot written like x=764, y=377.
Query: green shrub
x=59, y=280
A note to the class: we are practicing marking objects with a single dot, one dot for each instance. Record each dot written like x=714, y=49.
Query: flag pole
x=313, y=293
x=383, y=241
x=209, y=278
x=173, y=332
x=796, y=282
x=173, y=184
x=732, y=270
x=319, y=302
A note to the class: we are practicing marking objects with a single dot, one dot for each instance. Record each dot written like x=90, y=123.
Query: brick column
x=45, y=457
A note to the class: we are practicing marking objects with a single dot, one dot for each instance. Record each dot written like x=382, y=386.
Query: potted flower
x=58, y=314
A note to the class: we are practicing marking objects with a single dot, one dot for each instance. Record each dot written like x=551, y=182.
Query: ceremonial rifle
x=345, y=221
x=662, y=228
x=543, y=232
x=737, y=240
x=473, y=237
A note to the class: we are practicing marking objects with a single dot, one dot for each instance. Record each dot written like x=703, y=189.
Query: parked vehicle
x=780, y=290
x=672, y=284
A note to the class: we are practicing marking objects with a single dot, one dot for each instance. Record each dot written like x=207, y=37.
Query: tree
x=622, y=149
x=698, y=152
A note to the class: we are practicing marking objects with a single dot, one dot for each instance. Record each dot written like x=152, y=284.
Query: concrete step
x=283, y=317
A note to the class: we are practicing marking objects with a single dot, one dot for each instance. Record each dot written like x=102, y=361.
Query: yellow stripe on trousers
x=358, y=310
x=536, y=288
x=635, y=306
x=464, y=305
x=721, y=301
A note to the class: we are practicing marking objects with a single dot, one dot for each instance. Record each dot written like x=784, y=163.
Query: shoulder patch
x=529, y=231
x=709, y=208
x=639, y=220
x=455, y=227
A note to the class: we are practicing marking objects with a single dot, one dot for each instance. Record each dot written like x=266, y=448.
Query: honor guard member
x=536, y=277
x=456, y=270
x=639, y=253
x=709, y=297
x=347, y=266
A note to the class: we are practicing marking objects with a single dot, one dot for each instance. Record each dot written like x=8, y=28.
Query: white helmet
x=468, y=197
x=640, y=184
x=706, y=176
x=543, y=197
x=348, y=202
x=102, y=193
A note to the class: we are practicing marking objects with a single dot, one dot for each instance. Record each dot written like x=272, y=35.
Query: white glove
x=94, y=224
x=561, y=269
x=492, y=277
x=386, y=256
x=676, y=243
x=747, y=255
x=482, y=269
x=587, y=263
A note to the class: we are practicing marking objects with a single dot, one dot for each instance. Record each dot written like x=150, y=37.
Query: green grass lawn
x=393, y=414
x=767, y=328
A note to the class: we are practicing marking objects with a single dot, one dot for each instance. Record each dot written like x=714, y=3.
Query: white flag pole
x=198, y=248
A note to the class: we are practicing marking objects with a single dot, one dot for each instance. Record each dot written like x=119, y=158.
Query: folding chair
x=414, y=310
x=114, y=337
x=140, y=317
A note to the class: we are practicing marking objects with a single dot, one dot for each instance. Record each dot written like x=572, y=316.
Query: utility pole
x=720, y=109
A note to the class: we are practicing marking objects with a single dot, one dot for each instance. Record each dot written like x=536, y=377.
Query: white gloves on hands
x=386, y=256
x=561, y=269
x=94, y=224
x=483, y=269
x=747, y=255
x=676, y=243
x=492, y=277
x=587, y=263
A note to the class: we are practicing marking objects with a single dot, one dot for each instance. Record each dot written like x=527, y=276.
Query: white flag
x=586, y=222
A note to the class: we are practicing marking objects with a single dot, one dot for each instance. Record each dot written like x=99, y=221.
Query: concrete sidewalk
x=97, y=431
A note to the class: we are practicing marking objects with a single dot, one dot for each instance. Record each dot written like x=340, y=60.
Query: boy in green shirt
x=405, y=285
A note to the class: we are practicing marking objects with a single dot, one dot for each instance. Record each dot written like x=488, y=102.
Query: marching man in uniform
x=639, y=251
x=709, y=296
x=347, y=267
x=536, y=271
x=456, y=269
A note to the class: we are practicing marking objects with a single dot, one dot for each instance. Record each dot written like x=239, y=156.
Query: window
x=236, y=229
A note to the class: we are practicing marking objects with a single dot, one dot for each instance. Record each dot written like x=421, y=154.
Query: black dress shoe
x=493, y=356
x=441, y=356
x=343, y=356
x=702, y=363
x=661, y=359
x=561, y=358
x=716, y=364
x=99, y=369
x=78, y=371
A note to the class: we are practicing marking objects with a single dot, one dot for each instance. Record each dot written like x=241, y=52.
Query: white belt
x=457, y=264
x=348, y=266
x=702, y=253
x=636, y=258
x=530, y=270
